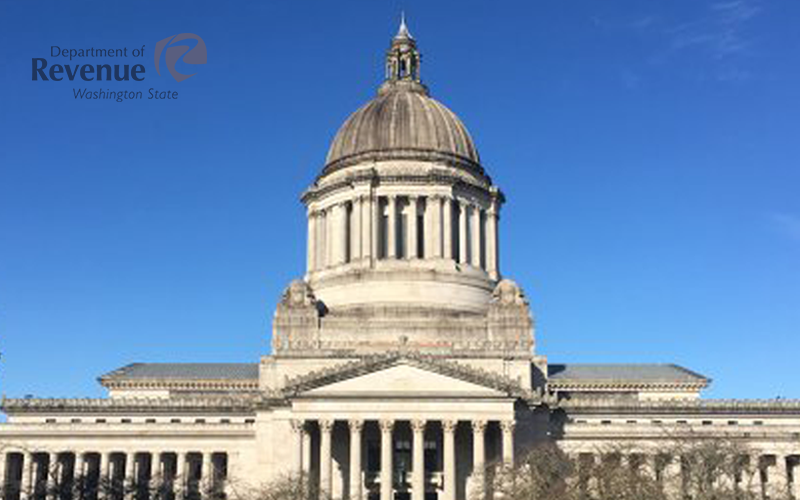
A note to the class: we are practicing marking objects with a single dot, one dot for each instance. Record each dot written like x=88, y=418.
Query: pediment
x=404, y=380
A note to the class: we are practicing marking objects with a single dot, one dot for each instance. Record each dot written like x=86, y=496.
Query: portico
x=401, y=431
x=387, y=457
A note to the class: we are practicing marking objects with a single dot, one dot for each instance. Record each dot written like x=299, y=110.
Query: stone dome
x=403, y=122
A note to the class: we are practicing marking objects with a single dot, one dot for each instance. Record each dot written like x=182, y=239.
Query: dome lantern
x=403, y=61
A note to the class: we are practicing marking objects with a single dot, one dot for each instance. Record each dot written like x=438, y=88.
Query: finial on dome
x=403, y=31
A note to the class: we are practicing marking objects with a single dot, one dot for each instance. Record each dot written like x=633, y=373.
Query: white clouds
x=721, y=33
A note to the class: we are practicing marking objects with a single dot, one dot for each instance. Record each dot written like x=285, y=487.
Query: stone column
x=78, y=470
x=435, y=232
x=754, y=481
x=180, y=473
x=491, y=242
x=478, y=457
x=411, y=226
x=371, y=229
x=447, y=228
x=391, y=227
x=27, y=471
x=297, y=448
x=325, y=464
x=508, y=441
x=795, y=467
x=4, y=483
x=476, y=236
x=306, y=451
x=207, y=471
x=418, y=460
x=356, y=483
x=449, y=452
x=339, y=233
x=51, y=472
x=104, y=479
x=387, y=472
x=321, y=244
x=592, y=481
x=130, y=479
x=462, y=233
x=356, y=240
x=778, y=478
x=311, y=259
x=427, y=216
x=155, y=469
x=330, y=237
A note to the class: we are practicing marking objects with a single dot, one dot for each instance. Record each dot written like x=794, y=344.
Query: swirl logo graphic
x=192, y=50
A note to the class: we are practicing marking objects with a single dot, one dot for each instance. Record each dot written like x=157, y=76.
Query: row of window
x=150, y=421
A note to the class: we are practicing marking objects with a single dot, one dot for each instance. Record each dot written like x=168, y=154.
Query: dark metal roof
x=185, y=371
x=400, y=124
x=645, y=373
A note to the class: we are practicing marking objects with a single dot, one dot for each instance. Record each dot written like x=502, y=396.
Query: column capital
x=418, y=426
x=508, y=425
x=326, y=425
x=386, y=426
x=478, y=425
x=355, y=425
x=449, y=426
x=297, y=425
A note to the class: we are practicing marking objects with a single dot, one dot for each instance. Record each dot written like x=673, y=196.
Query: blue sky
x=648, y=151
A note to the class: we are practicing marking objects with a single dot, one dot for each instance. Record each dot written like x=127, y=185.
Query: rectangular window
x=421, y=236
x=348, y=232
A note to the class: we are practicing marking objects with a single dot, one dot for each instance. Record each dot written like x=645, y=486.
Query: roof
x=184, y=371
x=402, y=124
x=639, y=373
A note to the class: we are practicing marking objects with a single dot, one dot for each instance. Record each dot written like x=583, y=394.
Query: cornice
x=114, y=405
x=695, y=406
x=179, y=385
x=637, y=385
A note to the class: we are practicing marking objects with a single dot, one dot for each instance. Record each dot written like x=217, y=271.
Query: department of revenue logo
x=186, y=48
x=102, y=65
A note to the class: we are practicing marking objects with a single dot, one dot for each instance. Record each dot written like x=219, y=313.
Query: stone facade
x=403, y=363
